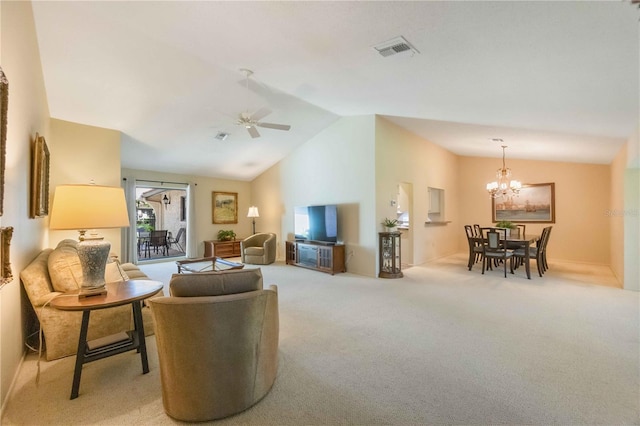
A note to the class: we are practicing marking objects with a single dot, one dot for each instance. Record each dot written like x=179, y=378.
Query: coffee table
x=206, y=264
x=118, y=293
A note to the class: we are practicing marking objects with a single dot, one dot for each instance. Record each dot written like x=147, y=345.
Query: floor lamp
x=89, y=207
x=253, y=213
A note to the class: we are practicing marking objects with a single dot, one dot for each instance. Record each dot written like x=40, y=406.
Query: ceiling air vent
x=222, y=136
x=395, y=45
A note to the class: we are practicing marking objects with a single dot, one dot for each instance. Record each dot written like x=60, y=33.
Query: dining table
x=525, y=241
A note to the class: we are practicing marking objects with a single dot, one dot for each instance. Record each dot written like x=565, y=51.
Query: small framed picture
x=4, y=107
x=39, y=178
x=225, y=207
x=6, y=276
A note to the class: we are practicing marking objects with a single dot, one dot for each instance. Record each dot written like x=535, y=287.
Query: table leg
x=82, y=343
x=139, y=329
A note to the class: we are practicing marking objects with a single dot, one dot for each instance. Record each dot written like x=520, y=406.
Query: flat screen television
x=316, y=223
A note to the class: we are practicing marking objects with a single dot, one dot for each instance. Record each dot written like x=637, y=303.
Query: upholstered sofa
x=55, y=272
x=217, y=339
x=259, y=249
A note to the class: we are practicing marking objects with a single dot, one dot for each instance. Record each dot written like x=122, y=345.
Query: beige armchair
x=259, y=249
x=217, y=338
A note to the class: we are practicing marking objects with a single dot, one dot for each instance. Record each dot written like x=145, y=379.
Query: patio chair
x=176, y=241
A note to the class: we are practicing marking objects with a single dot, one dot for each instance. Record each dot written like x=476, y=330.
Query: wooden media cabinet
x=329, y=258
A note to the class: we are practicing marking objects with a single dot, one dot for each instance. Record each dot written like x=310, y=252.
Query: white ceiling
x=555, y=80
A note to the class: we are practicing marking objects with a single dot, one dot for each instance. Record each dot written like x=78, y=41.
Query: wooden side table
x=119, y=293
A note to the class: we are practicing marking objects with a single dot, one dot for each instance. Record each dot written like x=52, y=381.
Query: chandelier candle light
x=89, y=207
x=253, y=213
x=504, y=186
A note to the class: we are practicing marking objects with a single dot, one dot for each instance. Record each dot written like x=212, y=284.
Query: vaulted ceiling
x=555, y=80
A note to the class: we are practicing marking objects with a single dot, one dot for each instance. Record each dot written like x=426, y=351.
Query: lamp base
x=93, y=256
x=90, y=292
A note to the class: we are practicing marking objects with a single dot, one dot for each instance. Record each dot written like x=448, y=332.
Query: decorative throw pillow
x=64, y=267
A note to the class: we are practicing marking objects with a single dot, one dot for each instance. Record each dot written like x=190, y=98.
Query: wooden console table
x=219, y=248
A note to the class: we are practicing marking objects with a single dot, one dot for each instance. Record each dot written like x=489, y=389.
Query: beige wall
x=632, y=213
x=615, y=213
x=334, y=167
x=204, y=227
x=582, y=192
x=81, y=154
x=403, y=157
x=28, y=114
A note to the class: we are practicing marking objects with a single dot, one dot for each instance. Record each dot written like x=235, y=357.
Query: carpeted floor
x=440, y=346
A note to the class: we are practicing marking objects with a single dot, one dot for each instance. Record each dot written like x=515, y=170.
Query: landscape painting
x=225, y=207
x=534, y=204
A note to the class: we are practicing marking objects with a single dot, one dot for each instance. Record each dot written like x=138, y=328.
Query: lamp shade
x=83, y=207
x=253, y=212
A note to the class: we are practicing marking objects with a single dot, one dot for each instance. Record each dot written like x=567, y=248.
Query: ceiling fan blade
x=253, y=132
x=274, y=126
x=261, y=113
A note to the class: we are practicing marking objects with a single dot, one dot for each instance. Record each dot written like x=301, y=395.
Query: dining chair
x=544, y=249
x=475, y=249
x=522, y=229
x=494, y=248
x=537, y=253
x=158, y=242
x=143, y=241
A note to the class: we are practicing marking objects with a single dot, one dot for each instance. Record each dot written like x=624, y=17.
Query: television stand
x=321, y=257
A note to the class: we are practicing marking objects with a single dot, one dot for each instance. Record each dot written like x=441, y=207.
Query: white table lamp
x=88, y=207
x=253, y=213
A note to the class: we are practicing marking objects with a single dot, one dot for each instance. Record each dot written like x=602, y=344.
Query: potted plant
x=390, y=224
x=506, y=225
x=226, y=235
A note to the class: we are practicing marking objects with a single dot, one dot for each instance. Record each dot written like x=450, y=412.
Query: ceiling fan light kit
x=251, y=121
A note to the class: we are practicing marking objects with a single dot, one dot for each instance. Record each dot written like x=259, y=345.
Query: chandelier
x=504, y=186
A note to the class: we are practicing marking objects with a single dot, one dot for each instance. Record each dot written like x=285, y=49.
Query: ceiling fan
x=251, y=121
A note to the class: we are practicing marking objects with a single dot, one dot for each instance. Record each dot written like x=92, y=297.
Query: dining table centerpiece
x=507, y=225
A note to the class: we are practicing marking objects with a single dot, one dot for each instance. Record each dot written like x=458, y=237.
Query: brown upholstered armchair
x=217, y=338
x=259, y=249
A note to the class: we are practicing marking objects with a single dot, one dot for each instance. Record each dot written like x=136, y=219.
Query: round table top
x=118, y=293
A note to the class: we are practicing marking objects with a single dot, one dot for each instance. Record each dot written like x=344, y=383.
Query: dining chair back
x=158, y=242
x=494, y=248
x=475, y=249
x=543, y=244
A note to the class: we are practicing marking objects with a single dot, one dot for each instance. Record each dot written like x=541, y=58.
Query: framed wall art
x=6, y=276
x=225, y=207
x=534, y=204
x=4, y=109
x=39, y=178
